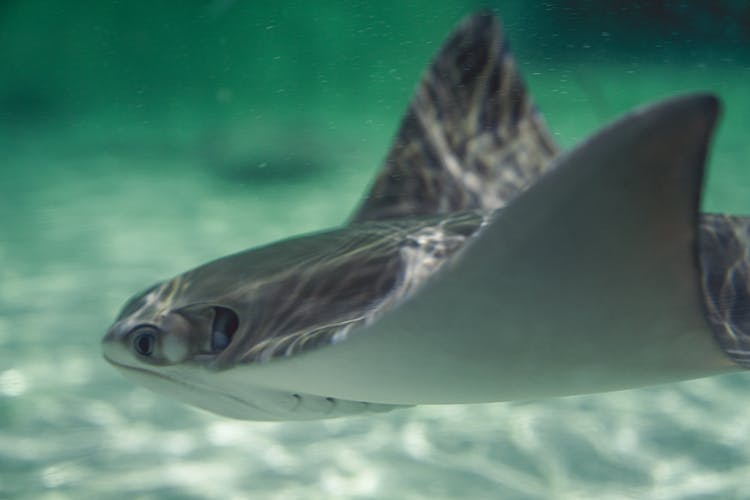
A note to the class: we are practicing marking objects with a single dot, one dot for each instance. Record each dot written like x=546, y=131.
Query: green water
x=138, y=140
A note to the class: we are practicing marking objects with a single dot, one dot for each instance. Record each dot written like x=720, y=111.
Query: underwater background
x=139, y=139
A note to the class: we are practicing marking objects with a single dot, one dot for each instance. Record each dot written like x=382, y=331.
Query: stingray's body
x=481, y=267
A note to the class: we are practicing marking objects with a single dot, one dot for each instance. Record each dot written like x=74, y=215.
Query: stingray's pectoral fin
x=589, y=281
x=471, y=138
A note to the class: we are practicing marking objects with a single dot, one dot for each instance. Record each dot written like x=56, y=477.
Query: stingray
x=484, y=265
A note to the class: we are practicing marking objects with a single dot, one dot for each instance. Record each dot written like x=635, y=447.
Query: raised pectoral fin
x=471, y=137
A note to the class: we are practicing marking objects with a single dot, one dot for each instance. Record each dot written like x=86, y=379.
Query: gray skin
x=483, y=266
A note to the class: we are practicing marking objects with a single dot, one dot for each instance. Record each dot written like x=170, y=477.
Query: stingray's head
x=184, y=338
x=168, y=343
x=159, y=328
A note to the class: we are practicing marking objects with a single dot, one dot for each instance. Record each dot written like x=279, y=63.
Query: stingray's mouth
x=147, y=373
x=129, y=367
x=209, y=396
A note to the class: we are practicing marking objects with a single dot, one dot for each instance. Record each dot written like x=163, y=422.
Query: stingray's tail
x=725, y=262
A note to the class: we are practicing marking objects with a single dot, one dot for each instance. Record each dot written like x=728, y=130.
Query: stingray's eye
x=144, y=342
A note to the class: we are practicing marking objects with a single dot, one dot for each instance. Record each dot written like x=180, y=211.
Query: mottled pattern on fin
x=471, y=138
x=725, y=259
